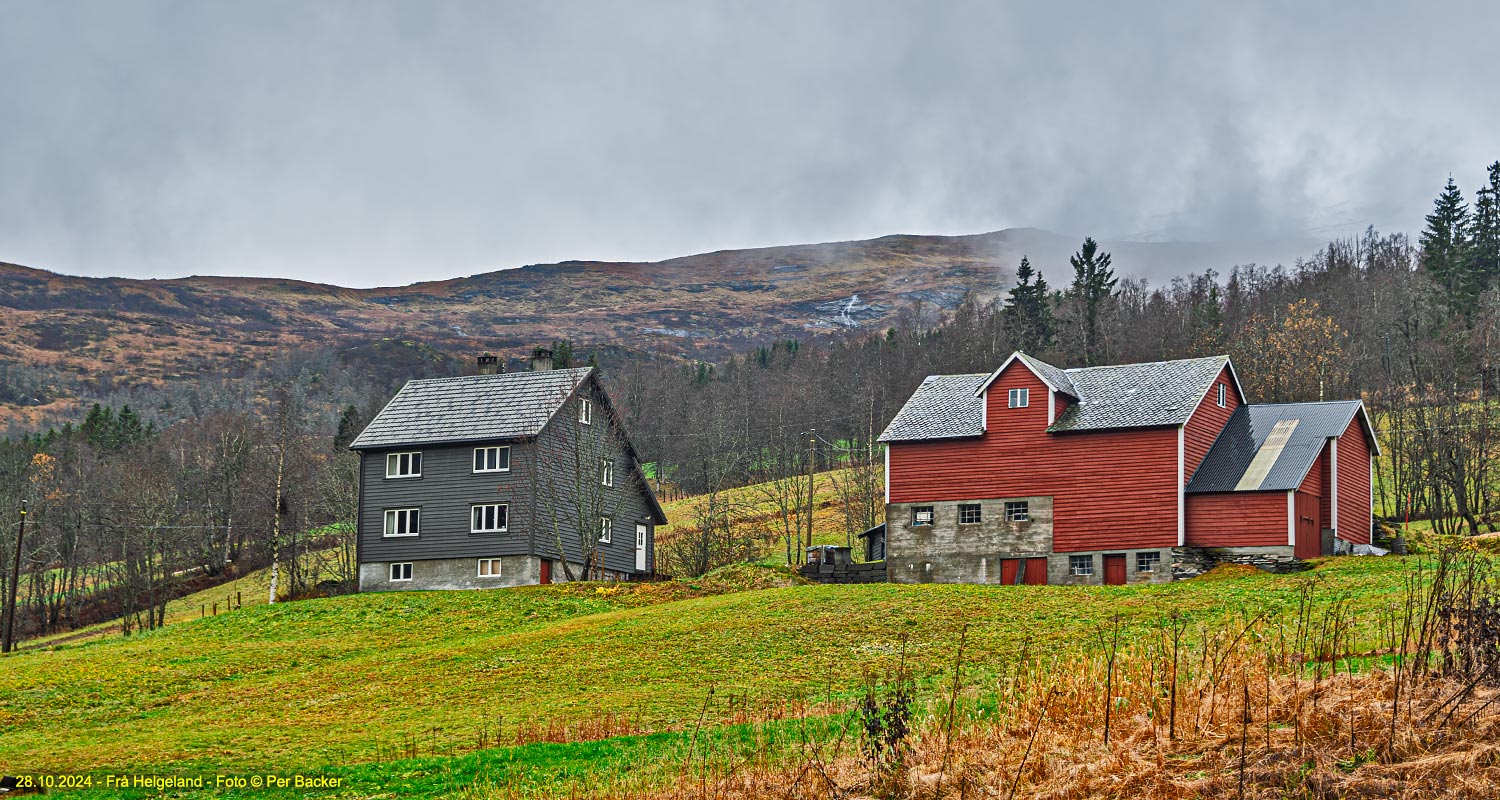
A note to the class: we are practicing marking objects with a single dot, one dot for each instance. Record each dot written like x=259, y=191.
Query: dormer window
x=1223, y=401
x=1020, y=398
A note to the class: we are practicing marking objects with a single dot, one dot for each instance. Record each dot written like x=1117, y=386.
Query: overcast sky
x=371, y=143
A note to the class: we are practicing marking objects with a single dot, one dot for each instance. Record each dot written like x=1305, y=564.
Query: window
x=586, y=411
x=968, y=514
x=489, y=567
x=402, y=521
x=607, y=473
x=403, y=465
x=1081, y=565
x=401, y=572
x=606, y=526
x=489, y=518
x=1020, y=398
x=1147, y=562
x=1017, y=511
x=921, y=515
x=492, y=459
x=1223, y=402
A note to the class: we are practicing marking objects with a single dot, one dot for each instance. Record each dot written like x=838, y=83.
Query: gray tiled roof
x=1157, y=393
x=1057, y=377
x=943, y=407
x=1248, y=428
x=474, y=408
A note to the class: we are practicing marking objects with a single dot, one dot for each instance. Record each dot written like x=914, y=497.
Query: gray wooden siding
x=445, y=492
x=558, y=466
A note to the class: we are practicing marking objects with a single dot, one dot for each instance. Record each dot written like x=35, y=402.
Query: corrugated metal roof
x=943, y=407
x=1156, y=393
x=473, y=408
x=1306, y=427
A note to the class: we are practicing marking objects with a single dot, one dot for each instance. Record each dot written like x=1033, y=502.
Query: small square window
x=403, y=465
x=489, y=567
x=401, y=572
x=1017, y=511
x=607, y=473
x=606, y=527
x=402, y=521
x=1147, y=562
x=968, y=514
x=585, y=411
x=489, y=518
x=1020, y=398
x=1081, y=565
x=1223, y=400
x=492, y=459
x=921, y=515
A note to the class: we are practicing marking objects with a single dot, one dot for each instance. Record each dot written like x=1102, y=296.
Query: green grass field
x=346, y=681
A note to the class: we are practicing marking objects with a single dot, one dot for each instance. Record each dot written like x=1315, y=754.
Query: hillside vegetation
x=344, y=680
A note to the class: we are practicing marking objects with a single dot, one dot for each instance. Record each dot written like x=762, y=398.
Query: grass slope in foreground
x=336, y=681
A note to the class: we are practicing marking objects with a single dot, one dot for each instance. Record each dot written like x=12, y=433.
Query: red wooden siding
x=1110, y=489
x=1354, y=484
x=1317, y=484
x=1207, y=421
x=1237, y=519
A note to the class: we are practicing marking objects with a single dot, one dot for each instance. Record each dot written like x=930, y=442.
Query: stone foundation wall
x=947, y=552
x=452, y=573
x=1190, y=562
x=1060, y=570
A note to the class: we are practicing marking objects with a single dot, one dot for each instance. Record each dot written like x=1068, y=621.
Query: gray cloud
x=373, y=143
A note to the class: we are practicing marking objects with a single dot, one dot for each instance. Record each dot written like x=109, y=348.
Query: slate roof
x=1159, y=393
x=943, y=407
x=1249, y=427
x=511, y=405
x=1147, y=395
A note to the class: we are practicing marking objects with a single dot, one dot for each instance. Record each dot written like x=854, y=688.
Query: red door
x=1036, y=572
x=546, y=570
x=1309, y=533
x=1114, y=570
x=1008, y=569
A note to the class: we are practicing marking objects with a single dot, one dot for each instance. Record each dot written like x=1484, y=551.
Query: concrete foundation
x=450, y=573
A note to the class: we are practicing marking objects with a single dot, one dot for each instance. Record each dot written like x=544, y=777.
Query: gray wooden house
x=502, y=480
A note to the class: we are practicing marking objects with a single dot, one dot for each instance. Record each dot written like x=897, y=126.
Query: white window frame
x=1019, y=398
x=606, y=529
x=1156, y=562
x=393, y=464
x=1223, y=400
x=606, y=472
x=474, y=510
x=1073, y=567
x=486, y=451
x=392, y=522
x=931, y=516
x=392, y=571
x=978, y=513
x=585, y=411
x=493, y=562
x=1013, y=506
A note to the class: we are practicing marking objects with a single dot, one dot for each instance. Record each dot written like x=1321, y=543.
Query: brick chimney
x=489, y=364
x=541, y=359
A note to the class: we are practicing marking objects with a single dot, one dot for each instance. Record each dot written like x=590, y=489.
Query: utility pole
x=15, y=578
x=812, y=443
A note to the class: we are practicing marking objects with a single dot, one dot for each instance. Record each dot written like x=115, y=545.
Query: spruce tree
x=1445, y=245
x=1028, y=310
x=1093, y=283
x=351, y=422
x=1484, y=239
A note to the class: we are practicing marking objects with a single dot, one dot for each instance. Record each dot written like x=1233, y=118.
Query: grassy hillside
x=757, y=518
x=344, y=680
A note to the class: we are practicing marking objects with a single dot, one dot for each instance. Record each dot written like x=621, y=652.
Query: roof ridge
x=1147, y=363
x=496, y=375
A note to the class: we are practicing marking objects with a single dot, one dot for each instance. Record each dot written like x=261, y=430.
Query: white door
x=640, y=548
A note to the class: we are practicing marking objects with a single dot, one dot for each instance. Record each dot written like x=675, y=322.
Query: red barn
x=1035, y=474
